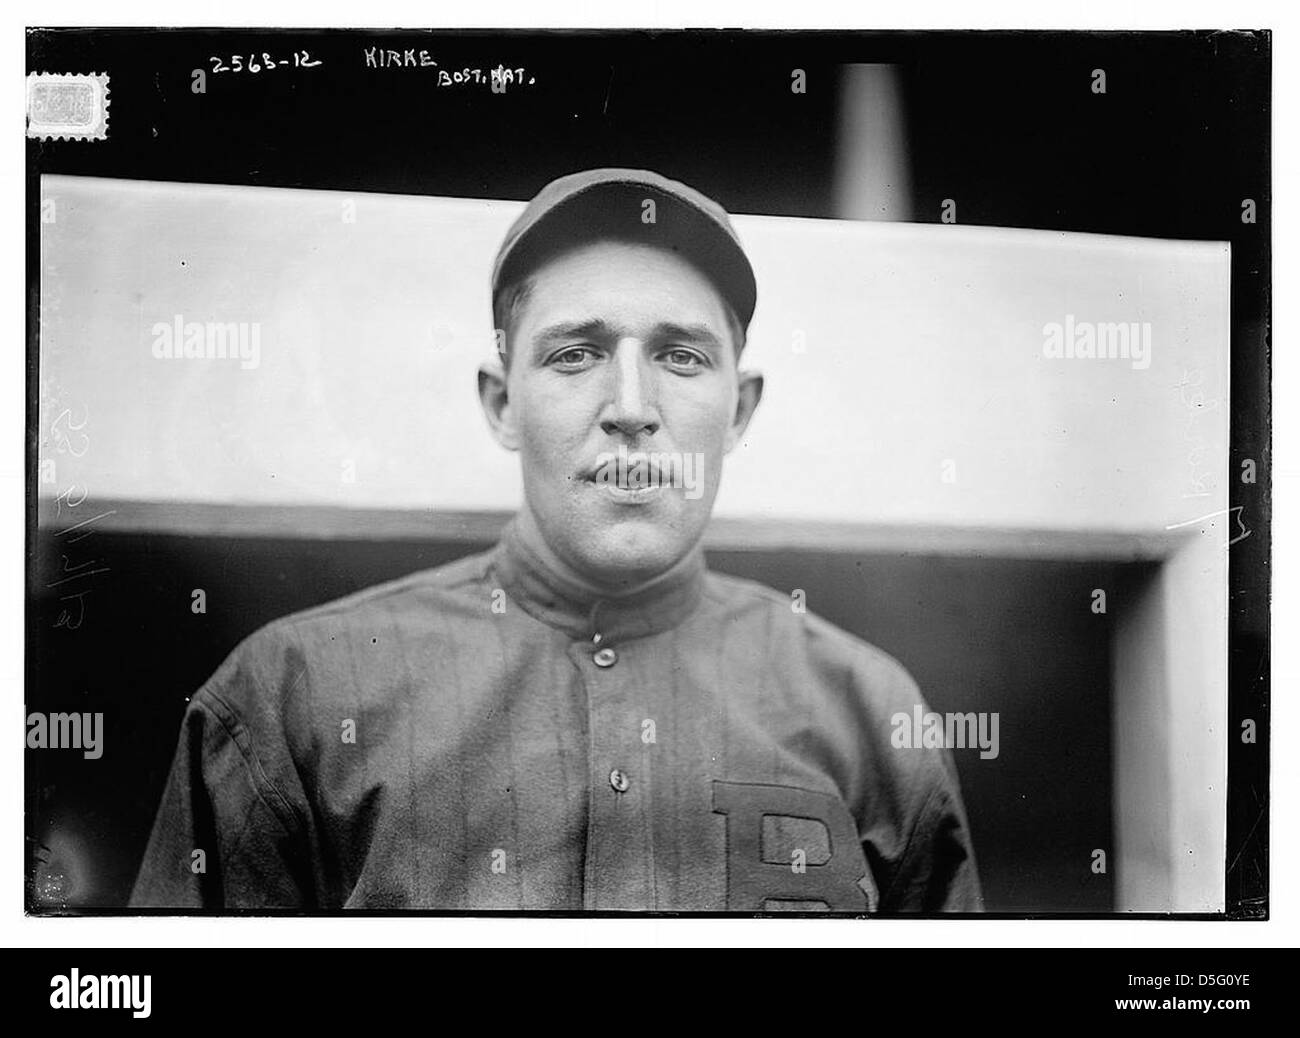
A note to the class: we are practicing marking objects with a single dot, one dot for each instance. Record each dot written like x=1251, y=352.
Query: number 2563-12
x=238, y=62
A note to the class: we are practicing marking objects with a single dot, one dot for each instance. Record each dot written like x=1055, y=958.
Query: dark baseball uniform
x=484, y=736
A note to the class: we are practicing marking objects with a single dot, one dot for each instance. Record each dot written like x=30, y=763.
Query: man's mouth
x=624, y=490
x=635, y=483
x=644, y=480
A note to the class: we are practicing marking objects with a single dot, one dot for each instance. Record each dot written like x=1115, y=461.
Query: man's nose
x=631, y=409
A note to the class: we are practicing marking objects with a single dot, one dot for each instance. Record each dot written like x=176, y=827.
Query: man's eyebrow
x=593, y=329
x=700, y=334
x=598, y=330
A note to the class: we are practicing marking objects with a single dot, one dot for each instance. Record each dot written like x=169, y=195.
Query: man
x=583, y=717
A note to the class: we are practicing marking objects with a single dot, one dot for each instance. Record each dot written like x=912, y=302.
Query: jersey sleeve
x=937, y=871
x=229, y=831
x=915, y=832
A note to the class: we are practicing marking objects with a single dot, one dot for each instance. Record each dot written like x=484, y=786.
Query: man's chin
x=632, y=551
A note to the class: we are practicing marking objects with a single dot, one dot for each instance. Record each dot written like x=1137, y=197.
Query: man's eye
x=683, y=359
x=573, y=357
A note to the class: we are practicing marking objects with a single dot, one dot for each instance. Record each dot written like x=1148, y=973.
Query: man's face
x=620, y=351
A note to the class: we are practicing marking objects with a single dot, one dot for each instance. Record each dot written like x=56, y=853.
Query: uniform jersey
x=486, y=736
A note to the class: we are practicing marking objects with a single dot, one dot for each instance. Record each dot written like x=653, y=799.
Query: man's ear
x=751, y=392
x=495, y=398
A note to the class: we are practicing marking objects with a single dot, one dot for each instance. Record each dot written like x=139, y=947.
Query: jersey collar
x=560, y=603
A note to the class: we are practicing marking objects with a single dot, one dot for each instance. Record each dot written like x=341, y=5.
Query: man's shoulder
x=405, y=607
x=788, y=624
x=860, y=693
x=438, y=582
x=414, y=591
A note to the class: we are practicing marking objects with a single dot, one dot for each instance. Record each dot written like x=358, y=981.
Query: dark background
x=976, y=634
x=1003, y=123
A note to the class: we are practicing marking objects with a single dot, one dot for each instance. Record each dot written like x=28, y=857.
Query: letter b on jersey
x=841, y=882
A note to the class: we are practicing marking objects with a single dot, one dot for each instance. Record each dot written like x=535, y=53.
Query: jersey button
x=605, y=657
x=619, y=781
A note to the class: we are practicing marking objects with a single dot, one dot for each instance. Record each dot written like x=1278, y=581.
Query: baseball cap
x=611, y=202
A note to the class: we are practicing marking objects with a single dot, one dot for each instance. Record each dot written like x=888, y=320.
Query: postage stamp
x=73, y=106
